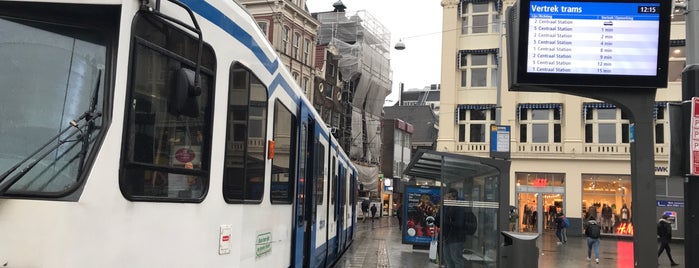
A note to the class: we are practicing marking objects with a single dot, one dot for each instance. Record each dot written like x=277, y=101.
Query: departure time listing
x=593, y=38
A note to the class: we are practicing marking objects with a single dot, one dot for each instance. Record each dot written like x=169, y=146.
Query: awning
x=604, y=105
x=471, y=107
x=541, y=106
x=448, y=167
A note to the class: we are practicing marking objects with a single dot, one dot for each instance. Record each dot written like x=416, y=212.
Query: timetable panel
x=600, y=38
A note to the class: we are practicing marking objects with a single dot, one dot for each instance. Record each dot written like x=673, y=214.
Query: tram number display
x=593, y=38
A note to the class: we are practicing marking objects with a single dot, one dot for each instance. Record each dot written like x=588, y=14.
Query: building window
x=608, y=199
x=304, y=85
x=474, y=124
x=245, y=161
x=479, y=17
x=285, y=40
x=295, y=75
x=478, y=70
x=660, y=123
x=297, y=42
x=329, y=90
x=263, y=26
x=605, y=124
x=306, y=51
x=540, y=125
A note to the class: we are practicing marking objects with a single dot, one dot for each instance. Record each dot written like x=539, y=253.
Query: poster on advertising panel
x=420, y=202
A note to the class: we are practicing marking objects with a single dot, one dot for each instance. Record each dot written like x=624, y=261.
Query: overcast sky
x=418, y=23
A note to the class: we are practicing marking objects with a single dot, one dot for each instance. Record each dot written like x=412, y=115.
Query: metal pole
x=690, y=88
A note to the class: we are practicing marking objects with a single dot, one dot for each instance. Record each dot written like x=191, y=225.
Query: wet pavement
x=378, y=244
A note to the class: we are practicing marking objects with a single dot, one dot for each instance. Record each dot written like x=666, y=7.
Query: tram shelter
x=482, y=202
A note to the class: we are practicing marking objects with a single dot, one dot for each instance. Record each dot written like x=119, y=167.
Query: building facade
x=292, y=31
x=569, y=154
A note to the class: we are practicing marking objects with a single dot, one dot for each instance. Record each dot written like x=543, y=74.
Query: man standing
x=453, y=224
x=665, y=234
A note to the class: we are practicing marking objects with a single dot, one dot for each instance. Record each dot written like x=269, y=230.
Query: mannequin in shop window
x=527, y=219
x=606, y=218
x=625, y=214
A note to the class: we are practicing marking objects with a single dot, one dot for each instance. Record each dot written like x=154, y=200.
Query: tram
x=160, y=134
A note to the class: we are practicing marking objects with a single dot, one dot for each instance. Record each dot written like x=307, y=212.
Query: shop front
x=608, y=198
x=539, y=198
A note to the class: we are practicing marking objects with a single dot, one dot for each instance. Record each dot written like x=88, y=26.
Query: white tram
x=160, y=134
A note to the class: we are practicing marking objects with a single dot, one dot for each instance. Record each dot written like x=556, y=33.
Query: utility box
x=519, y=250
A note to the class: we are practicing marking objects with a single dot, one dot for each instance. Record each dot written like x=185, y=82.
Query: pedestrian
x=373, y=212
x=592, y=232
x=560, y=225
x=564, y=231
x=665, y=236
x=513, y=219
x=454, y=230
x=365, y=209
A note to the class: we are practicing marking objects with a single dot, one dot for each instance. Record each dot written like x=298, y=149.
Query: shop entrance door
x=537, y=210
x=529, y=207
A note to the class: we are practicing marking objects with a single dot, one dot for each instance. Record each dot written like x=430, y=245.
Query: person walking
x=665, y=236
x=561, y=224
x=592, y=232
x=365, y=209
x=373, y=212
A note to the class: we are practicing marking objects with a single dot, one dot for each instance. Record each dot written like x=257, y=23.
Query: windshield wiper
x=88, y=116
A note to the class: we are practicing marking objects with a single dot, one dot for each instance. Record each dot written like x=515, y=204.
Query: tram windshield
x=50, y=75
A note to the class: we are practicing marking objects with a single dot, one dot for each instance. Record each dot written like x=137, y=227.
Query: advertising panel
x=420, y=202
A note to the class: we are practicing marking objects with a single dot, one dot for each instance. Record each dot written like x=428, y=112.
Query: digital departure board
x=592, y=43
x=593, y=38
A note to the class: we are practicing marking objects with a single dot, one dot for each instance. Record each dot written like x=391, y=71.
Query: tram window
x=333, y=181
x=166, y=149
x=282, y=187
x=245, y=158
x=320, y=175
x=50, y=74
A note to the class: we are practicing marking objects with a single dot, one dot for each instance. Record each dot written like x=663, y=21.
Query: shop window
x=608, y=199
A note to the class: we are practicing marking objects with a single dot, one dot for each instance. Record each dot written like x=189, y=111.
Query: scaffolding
x=363, y=44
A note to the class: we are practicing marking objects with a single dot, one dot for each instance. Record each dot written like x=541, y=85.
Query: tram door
x=304, y=204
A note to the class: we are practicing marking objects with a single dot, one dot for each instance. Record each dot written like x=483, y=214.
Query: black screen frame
x=524, y=78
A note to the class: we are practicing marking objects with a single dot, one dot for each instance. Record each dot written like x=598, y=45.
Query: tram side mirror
x=184, y=94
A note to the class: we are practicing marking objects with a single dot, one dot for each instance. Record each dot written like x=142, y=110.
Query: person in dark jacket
x=373, y=212
x=592, y=232
x=665, y=236
x=453, y=228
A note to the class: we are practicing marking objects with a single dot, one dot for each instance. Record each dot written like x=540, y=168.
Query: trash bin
x=519, y=250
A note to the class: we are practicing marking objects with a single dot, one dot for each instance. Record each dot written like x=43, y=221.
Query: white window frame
x=467, y=123
x=618, y=126
x=296, y=43
x=549, y=122
x=307, y=51
x=468, y=68
x=264, y=26
x=467, y=13
x=285, y=39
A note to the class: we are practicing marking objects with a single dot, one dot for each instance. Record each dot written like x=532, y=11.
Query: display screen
x=595, y=38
